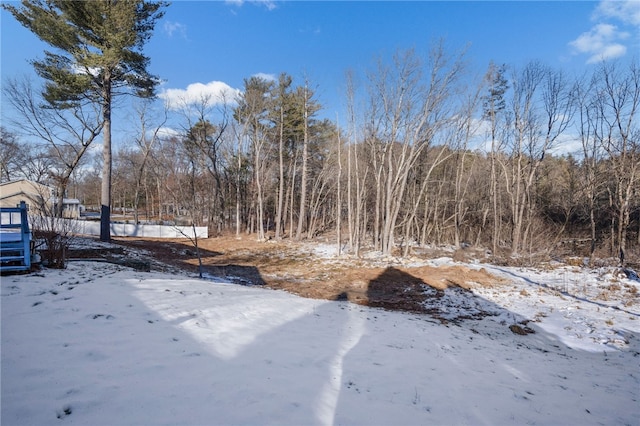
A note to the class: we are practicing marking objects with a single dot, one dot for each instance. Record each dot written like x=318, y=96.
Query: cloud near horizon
x=212, y=93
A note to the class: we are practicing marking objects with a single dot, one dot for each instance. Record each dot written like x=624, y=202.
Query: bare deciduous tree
x=67, y=132
x=618, y=133
x=408, y=109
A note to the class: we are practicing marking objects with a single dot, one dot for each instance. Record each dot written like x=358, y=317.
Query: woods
x=525, y=161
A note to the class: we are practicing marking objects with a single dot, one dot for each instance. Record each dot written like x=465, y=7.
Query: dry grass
x=289, y=266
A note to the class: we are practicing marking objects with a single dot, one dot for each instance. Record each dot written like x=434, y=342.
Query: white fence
x=85, y=227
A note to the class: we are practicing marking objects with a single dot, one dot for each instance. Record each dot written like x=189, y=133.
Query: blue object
x=15, y=239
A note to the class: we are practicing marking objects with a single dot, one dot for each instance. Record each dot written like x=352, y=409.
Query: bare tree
x=237, y=165
x=618, y=133
x=251, y=113
x=323, y=171
x=146, y=139
x=67, y=132
x=281, y=111
x=309, y=108
x=407, y=111
x=465, y=128
x=542, y=109
x=339, y=192
x=356, y=179
x=13, y=159
x=207, y=124
x=585, y=99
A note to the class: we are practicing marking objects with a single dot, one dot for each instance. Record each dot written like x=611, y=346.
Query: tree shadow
x=394, y=289
x=166, y=249
x=236, y=274
x=181, y=255
x=185, y=257
x=397, y=290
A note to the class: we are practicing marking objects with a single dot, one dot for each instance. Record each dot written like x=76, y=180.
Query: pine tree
x=493, y=105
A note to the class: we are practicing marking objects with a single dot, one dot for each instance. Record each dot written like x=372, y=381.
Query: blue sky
x=214, y=45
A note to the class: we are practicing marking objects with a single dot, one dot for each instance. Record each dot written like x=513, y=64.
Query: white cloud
x=167, y=132
x=212, y=93
x=315, y=30
x=601, y=43
x=568, y=143
x=605, y=39
x=171, y=28
x=265, y=76
x=269, y=4
x=626, y=11
x=610, y=51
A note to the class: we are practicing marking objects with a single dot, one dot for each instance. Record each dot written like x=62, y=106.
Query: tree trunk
x=105, y=197
x=303, y=176
x=339, y=198
x=278, y=223
x=238, y=195
x=260, y=201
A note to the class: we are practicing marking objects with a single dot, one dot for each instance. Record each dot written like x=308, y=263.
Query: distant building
x=39, y=198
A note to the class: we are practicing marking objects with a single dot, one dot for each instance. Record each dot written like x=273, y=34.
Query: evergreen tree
x=493, y=106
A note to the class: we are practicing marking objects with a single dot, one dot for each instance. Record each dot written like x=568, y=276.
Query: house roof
x=13, y=182
x=25, y=187
x=31, y=183
x=38, y=189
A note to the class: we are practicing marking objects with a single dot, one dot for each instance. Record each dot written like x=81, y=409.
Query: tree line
x=423, y=155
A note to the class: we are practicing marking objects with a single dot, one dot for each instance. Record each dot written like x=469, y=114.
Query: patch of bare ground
x=287, y=266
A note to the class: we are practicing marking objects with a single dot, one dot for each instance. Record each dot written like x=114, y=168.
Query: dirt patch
x=292, y=267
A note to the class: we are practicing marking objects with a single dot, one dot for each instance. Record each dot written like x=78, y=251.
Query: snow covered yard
x=100, y=344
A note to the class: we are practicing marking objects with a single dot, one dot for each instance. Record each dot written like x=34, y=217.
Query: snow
x=101, y=344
